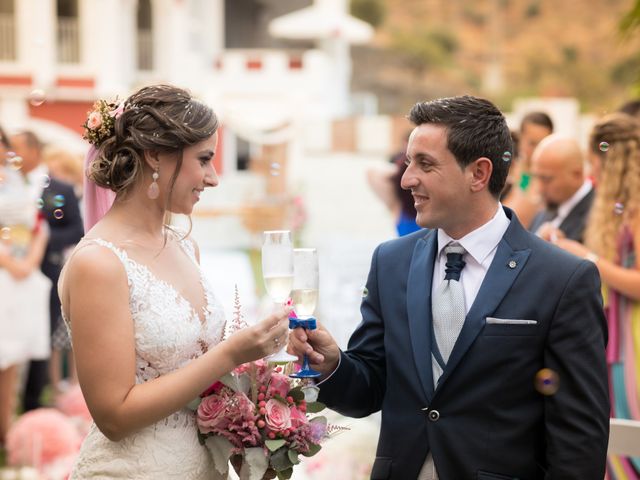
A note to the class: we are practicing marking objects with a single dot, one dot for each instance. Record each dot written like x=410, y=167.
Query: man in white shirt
x=463, y=318
x=557, y=166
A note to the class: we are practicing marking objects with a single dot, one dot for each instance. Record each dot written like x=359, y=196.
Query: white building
x=58, y=56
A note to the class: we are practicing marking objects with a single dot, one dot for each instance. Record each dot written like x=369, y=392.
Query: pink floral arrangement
x=74, y=406
x=260, y=419
x=72, y=403
x=40, y=438
x=100, y=121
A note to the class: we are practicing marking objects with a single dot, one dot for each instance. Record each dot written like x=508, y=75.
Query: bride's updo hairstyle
x=159, y=119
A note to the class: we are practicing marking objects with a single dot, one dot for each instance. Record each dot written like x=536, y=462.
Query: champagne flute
x=305, y=298
x=277, y=272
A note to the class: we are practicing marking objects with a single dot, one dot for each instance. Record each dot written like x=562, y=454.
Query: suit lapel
x=419, y=307
x=573, y=226
x=504, y=269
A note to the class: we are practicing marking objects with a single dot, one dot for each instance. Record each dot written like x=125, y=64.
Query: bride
x=146, y=327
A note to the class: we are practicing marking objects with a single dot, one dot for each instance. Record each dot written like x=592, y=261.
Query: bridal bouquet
x=260, y=419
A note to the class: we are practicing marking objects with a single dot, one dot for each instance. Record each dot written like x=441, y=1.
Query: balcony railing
x=68, y=40
x=145, y=49
x=7, y=37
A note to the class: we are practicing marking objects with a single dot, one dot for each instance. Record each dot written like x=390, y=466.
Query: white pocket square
x=509, y=321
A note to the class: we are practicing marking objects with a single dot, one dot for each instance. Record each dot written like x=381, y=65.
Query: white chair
x=624, y=437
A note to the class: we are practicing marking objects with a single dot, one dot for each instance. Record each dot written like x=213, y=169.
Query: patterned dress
x=623, y=358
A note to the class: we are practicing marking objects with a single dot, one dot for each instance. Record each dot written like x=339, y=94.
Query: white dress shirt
x=565, y=208
x=481, y=245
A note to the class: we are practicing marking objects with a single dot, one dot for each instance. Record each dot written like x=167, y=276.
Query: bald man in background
x=557, y=165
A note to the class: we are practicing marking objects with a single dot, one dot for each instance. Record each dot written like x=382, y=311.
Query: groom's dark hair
x=475, y=128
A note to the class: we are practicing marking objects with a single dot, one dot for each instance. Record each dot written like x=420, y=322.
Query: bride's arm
x=97, y=304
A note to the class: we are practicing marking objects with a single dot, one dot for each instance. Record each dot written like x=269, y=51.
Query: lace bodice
x=169, y=333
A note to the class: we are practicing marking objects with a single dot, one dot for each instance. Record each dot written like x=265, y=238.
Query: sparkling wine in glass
x=277, y=272
x=305, y=298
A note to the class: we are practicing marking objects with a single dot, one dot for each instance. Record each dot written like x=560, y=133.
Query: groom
x=483, y=345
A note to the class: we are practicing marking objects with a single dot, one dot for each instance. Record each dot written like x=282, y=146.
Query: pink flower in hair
x=95, y=120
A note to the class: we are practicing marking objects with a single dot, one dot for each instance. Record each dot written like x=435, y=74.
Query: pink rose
x=239, y=405
x=94, y=121
x=278, y=416
x=211, y=412
x=280, y=384
x=297, y=417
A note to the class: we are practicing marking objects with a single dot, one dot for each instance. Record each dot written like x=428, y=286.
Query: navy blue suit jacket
x=485, y=420
x=61, y=209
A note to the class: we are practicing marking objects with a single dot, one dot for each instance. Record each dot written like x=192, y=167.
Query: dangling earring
x=153, y=191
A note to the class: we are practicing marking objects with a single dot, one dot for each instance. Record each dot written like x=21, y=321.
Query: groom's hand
x=319, y=345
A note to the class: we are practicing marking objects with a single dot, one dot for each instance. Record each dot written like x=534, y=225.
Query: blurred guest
x=24, y=290
x=522, y=199
x=533, y=128
x=61, y=211
x=632, y=107
x=385, y=183
x=65, y=165
x=558, y=167
x=612, y=240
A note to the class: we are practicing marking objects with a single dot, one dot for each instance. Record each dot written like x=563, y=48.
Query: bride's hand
x=262, y=339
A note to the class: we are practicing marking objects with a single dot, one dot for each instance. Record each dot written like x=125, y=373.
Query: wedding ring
x=277, y=342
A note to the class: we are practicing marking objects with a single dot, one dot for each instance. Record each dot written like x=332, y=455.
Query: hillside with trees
x=502, y=49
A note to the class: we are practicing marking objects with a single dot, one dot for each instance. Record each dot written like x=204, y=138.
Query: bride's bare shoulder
x=95, y=262
x=91, y=270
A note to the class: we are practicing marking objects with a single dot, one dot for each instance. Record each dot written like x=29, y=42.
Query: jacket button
x=434, y=415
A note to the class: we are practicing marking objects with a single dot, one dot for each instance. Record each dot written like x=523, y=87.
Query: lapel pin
x=512, y=264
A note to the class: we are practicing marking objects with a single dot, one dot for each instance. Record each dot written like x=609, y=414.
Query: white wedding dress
x=168, y=335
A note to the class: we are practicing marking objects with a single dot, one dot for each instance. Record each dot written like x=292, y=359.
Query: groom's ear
x=479, y=174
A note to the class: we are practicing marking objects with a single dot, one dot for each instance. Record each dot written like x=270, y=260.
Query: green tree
x=423, y=49
x=629, y=25
x=371, y=11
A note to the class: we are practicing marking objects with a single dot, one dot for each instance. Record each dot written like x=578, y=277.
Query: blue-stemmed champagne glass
x=304, y=296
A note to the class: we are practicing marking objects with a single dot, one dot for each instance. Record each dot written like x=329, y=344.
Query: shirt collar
x=565, y=208
x=37, y=179
x=480, y=242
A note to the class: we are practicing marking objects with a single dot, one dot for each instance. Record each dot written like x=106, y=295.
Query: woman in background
x=385, y=183
x=24, y=290
x=612, y=240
